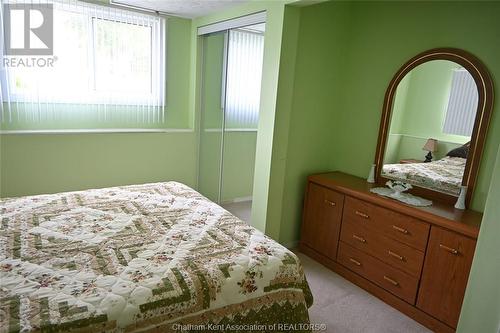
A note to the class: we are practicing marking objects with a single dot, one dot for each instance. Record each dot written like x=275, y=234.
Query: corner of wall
x=483, y=291
x=284, y=102
x=312, y=112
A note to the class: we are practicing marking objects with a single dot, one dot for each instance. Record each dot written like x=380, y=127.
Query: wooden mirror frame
x=484, y=107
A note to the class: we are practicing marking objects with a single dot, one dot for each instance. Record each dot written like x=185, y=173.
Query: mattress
x=444, y=175
x=140, y=258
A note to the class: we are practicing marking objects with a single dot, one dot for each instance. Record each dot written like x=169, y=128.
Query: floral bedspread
x=140, y=258
x=444, y=175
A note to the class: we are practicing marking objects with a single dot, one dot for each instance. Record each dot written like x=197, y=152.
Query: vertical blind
x=109, y=67
x=462, y=104
x=244, y=75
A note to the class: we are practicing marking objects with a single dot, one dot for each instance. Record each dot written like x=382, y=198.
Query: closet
x=231, y=73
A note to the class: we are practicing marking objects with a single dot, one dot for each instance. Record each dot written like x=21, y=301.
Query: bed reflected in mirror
x=431, y=124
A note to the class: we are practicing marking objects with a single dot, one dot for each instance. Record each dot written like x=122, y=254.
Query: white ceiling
x=183, y=8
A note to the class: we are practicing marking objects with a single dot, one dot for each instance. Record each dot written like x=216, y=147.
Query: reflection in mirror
x=431, y=124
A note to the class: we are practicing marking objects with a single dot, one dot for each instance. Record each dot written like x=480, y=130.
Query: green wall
x=384, y=35
x=178, y=69
x=47, y=163
x=310, y=88
x=36, y=163
x=21, y=176
x=481, y=307
x=346, y=55
x=282, y=121
x=326, y=69
x=392, y=150
x=305, y=113
x=347, y=52
x=238, y=164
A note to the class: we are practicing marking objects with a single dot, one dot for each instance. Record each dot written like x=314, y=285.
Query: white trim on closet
x=238, y=22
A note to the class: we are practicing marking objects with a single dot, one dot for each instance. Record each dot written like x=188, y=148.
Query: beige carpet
x=241, y=209
x=346, y=308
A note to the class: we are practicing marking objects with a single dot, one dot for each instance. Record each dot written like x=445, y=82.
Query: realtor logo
x=29, y=29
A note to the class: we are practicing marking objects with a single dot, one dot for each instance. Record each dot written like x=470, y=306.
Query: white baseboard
x=240, y=199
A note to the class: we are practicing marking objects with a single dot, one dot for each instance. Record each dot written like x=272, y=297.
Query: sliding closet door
x=244, y=74
x=212, y=115
x=230, y=100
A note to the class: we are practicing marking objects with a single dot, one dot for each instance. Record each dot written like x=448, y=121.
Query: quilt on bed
x=140, y=258
x=444, y=175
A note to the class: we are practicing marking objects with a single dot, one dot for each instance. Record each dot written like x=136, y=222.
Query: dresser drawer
x=403, y=228
x=394, y=253
x=393, y=280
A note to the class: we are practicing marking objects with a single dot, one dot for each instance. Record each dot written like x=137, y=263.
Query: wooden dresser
x=415, y=259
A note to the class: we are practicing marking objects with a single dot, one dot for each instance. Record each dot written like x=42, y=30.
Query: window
x=462, y=104
x=244, y=75
x=103, y=56
x=129, y=73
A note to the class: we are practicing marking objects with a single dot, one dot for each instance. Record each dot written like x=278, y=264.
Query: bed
x=144, y=258
x=444, y=175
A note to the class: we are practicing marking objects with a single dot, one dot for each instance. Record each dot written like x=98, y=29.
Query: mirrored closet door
x=230, y=97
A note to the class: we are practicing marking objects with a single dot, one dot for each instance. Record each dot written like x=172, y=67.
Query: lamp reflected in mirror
x=431, y=147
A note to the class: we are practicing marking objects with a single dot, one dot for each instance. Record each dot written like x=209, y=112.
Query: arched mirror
x=434, y=122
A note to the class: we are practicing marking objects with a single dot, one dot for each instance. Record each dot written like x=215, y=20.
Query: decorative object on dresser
x=371, y=175
x=460, y=204
x=415, y=259
x=407, y=198
x=431, y=147
x=398, y=187
x=466, y=82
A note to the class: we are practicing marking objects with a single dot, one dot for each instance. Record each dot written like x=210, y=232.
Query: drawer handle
x=331, y=203
x=395, y=255
x=402, y=230
x=449, y=249
x=393, y=282
x=358, y=238
x=363, y=215
x=355, y=262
